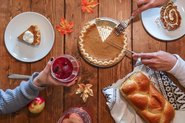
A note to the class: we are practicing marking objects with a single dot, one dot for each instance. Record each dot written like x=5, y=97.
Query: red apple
x=36, y=105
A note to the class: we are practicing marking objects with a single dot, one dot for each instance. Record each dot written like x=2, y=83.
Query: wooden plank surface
x=88, y=73
x=119, y=10
x=59, y=99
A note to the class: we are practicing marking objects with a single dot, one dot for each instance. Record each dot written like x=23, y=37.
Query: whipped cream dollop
x=104, y=32
x=28, y=37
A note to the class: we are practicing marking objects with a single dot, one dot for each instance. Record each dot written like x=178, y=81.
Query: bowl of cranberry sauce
x=65, y=68
x=75, y=115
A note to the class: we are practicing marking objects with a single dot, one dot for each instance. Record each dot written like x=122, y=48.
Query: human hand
x=45, y=78
x=160, y=60
x=146, y=4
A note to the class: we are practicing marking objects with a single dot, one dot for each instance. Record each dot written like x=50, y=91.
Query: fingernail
x=51, y=59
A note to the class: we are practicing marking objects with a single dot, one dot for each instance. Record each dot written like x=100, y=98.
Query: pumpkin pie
x=31, y=35
x=100, y=46
x=170, y=16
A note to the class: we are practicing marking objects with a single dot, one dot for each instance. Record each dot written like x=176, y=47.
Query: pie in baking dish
x=170, y=16
x=99, y=44
x=31, y=35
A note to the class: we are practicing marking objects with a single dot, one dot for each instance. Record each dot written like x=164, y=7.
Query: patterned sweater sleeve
x=179, y=70
x=13, y=100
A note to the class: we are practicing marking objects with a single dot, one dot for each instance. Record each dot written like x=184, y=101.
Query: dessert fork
x=123, y=25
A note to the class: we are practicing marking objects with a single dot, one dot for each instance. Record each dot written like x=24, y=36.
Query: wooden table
x=58, y=99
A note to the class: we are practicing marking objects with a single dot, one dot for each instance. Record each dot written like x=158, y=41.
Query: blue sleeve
x=13, y=100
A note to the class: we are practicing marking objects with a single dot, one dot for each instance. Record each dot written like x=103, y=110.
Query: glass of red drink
x=65, y=68
x=75, y=115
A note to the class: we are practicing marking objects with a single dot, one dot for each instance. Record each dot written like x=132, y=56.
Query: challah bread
x=141, y=94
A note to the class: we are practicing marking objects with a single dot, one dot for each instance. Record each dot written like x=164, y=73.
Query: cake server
x=18, y=76
x=123, y=25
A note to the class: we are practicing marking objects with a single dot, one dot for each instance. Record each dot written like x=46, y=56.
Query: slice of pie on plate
x=99, y=44
x=31, y=35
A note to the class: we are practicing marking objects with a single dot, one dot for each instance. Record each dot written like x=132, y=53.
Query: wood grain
x=119, y=10
x=142, y=41
x=4, y=83
x=53, y=10
x=17, y=7
x=88, y=73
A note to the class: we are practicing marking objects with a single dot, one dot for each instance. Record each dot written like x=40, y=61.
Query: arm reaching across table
x=147, y=4
x=164, y=61
x=13, y=100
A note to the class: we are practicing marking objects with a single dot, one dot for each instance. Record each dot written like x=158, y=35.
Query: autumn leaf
x=65, y=27
x=85, y=91
x=88, y=5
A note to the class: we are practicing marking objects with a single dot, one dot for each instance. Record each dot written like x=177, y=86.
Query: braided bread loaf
x=141, y=94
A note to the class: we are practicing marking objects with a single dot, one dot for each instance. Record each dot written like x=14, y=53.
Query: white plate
x=25, y=52
x=150, y=16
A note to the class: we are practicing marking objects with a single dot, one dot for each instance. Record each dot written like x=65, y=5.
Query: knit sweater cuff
x=32, y=85
x=30, y=90
x=179, y=70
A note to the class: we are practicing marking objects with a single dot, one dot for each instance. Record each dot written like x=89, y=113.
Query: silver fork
x=123, y=25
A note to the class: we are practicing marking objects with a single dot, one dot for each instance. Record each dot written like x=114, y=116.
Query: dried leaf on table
x=65, y=27
x=84, y=96
x=88, y=5
x=85, y=91
x=80, y=89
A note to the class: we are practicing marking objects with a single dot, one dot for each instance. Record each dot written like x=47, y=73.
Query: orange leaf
x=88, y=5
x=65, y=27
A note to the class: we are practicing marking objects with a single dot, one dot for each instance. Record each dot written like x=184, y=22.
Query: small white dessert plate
x=25, y=52
x=151, y=22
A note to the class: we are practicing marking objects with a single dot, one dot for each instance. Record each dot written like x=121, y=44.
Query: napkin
x=124, y=113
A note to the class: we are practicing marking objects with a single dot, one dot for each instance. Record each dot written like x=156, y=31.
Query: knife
x=18, y=76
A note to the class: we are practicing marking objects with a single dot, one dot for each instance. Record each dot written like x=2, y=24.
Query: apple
x=73, y=118
x=36, y=105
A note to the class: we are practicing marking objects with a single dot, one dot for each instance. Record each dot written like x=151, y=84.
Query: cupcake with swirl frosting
x=170, y=16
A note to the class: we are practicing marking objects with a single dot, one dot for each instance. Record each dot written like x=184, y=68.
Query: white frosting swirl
x=28, y=37
x=170, y=16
